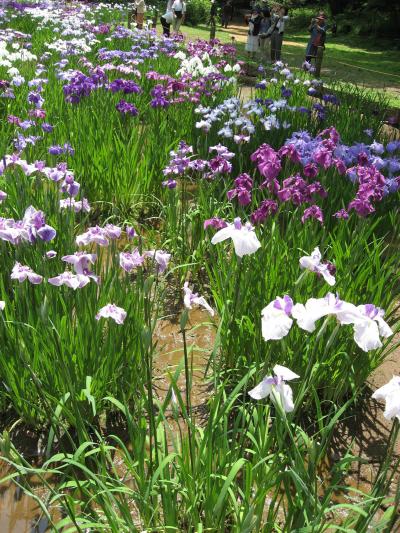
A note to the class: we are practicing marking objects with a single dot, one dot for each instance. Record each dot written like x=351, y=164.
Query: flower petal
x=262, y=390
x=275, y=323
x=366, y=335
x=284, y=372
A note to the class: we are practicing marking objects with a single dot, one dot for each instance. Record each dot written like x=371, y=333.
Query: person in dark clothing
x=317, y=30
x=254, y=30
x=166, y=21
x=226, y=13
x=278, y=20
x=264, y=36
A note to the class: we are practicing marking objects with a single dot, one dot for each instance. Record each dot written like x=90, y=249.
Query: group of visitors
x=266, y=29
x=174, y=15
x=265, y=26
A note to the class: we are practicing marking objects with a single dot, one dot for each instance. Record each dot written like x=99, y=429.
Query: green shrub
x=198, y=11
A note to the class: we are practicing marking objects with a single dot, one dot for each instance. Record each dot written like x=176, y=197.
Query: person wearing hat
x=317, y=31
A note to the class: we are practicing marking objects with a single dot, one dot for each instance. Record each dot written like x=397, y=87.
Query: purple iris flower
x=342, y=214
x=313, y=212
x=81, y=262
x=130, y=232
x=126, y=108
x=56, y=150
x=286, y=92
x=268, y=162
x=48, y=128
x=73, y=281
x=112, y=232
x=21, y=273
x=95, y=235
x=160, y=257
x=265, y=209
x=128, y=261
x=70, y=186
x=215, y=222
x=310, y=170
x=35, y=223
x=77, y=206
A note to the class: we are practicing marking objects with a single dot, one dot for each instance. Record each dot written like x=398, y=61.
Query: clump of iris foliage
x=135, y=180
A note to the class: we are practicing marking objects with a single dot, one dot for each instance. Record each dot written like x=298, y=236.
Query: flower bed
x=131, y=170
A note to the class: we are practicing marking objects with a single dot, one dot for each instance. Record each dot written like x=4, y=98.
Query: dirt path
x=237, y=32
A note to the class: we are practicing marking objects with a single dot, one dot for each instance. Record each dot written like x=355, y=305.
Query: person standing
x=179, y=10
x=166, y=20
x=140, y=7
x=226, y=13
x=279, y=18
x=253, y=32
x=317, y=31
x=264, y=35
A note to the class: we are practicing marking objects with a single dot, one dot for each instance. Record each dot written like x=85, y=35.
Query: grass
x=347, y=58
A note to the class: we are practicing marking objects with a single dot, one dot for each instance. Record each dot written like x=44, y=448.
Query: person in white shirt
x=166, y=20
x=179, y=10
x=279, y=18
x=140, y=11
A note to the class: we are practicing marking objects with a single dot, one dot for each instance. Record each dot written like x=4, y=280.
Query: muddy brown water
x=200, y=337
x=20, y=513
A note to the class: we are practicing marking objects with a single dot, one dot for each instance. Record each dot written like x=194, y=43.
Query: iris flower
x=73, y=281
x=22, y=272
x=275, y=386
x=276, y=318
x=244, y=239
x=160, y=257
x=193, y=298
x=391, y=394
x=94, y=234
x=81, y=262
x=128, y=261
x=112, y=311
x=315, y=308
x=368, y=324
x=367, y=320
x=313, y=263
